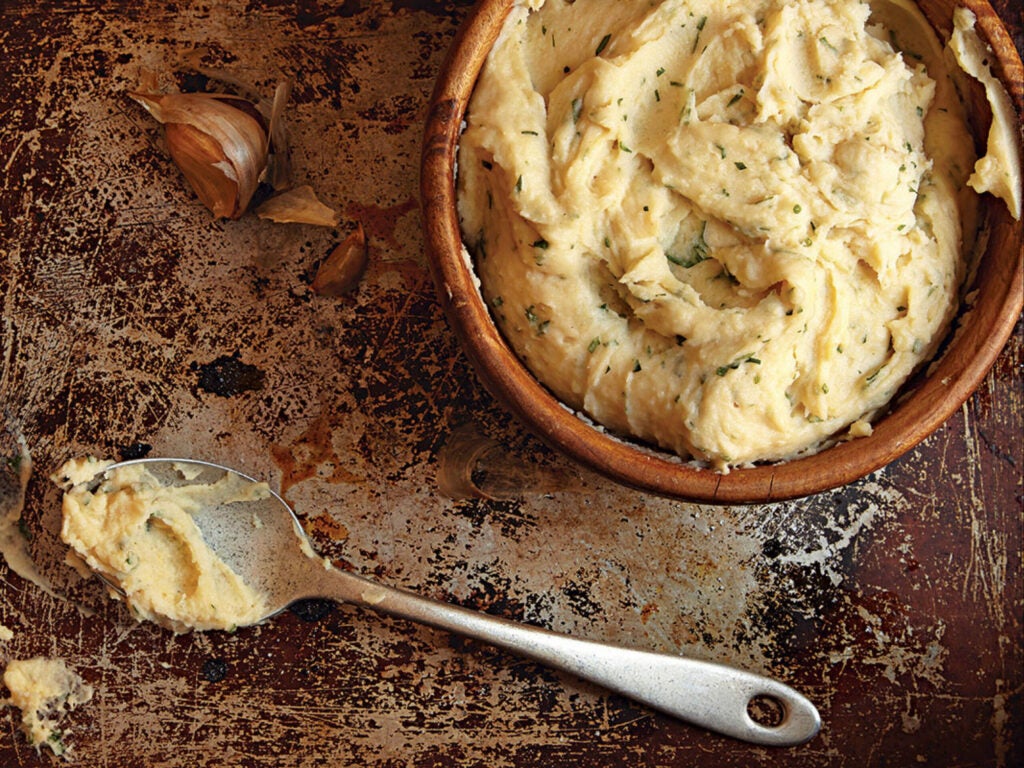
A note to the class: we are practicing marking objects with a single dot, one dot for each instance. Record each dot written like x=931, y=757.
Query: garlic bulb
x=219, y=142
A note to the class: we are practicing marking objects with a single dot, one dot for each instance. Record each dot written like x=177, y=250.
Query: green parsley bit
x=700, y=28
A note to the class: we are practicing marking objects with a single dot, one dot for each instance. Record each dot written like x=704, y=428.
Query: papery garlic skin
x=220, y=148
x=299, y=205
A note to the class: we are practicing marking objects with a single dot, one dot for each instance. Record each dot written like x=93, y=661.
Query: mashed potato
x=139, y=534
x=732, y=228
x=44, y=689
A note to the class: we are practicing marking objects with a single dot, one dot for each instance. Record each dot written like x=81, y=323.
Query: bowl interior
x=921, y=407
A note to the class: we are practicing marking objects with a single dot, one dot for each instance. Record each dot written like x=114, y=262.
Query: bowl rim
x=937, y=394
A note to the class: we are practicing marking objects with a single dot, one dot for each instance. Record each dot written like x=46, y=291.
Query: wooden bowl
x=920, y=408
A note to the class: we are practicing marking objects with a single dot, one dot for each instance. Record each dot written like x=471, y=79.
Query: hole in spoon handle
x=730, y=701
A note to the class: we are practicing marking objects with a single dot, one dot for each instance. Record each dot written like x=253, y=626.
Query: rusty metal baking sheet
x=131, y=322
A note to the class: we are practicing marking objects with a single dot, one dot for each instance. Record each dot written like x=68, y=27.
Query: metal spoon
x=276, y=558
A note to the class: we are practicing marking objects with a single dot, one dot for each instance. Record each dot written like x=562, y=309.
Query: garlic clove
x=204, y=166
x=344, y=266
x=219, y=142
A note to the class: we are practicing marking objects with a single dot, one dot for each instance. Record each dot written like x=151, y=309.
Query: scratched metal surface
x=133, y=323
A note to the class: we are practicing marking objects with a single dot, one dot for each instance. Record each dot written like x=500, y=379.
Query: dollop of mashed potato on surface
x=44, y=689
x=138, y=533
x=731, y=228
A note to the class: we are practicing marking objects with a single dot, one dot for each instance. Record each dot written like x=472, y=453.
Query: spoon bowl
x=262, y=541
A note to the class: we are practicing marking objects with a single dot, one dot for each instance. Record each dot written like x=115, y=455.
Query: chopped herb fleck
x=603, y=44
x=700, y=28
x=724, y=369
x=699, y=251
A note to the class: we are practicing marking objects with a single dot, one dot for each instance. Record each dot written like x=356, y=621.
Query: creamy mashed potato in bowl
x=710, y=249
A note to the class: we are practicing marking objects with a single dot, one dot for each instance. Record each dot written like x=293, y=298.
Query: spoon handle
x=714, y=696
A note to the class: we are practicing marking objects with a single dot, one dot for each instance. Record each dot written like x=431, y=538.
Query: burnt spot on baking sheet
x=509, y=517
x=492, y=590
x=311, y=610
x=772, y=548
x=228, y=375
x=214, y=670
x=578, y=593
x=134, y=451
x=311, y=14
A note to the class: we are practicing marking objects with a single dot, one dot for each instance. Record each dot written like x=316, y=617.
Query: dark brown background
x=132, y=322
